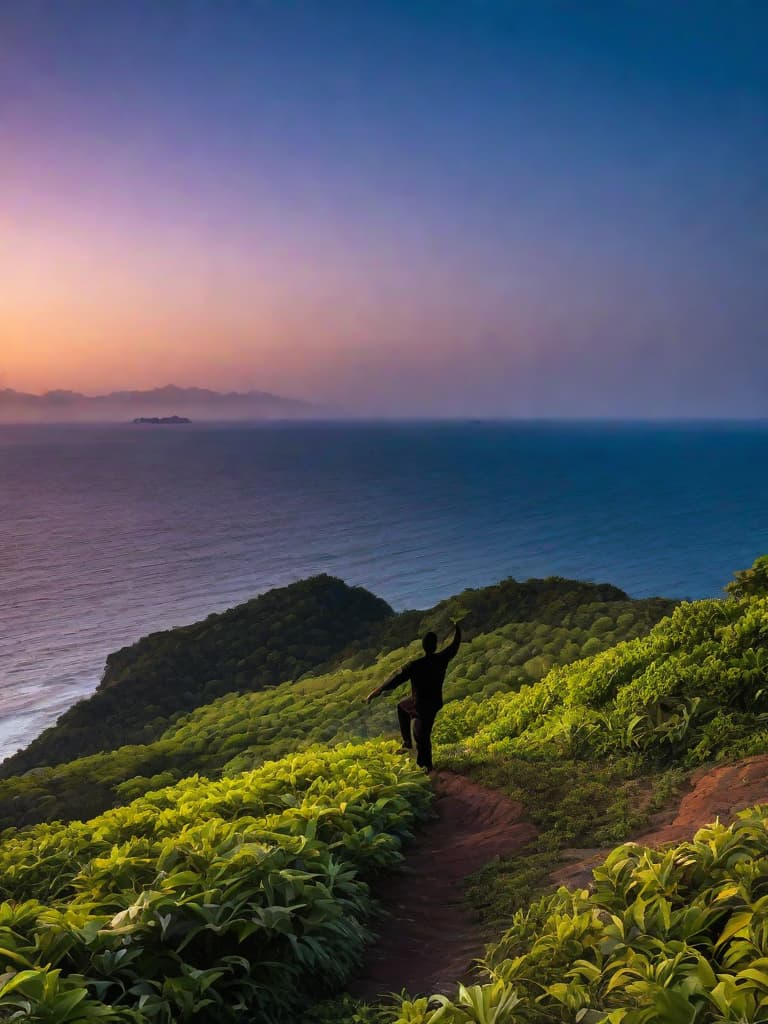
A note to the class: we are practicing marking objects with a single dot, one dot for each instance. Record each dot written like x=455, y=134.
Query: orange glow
x=94, y=304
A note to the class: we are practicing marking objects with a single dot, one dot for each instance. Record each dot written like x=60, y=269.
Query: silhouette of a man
x=420, y=709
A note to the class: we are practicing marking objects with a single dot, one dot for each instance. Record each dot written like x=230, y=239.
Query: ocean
x=107, y=533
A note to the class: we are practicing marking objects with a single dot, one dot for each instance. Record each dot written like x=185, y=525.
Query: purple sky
x=453, y=208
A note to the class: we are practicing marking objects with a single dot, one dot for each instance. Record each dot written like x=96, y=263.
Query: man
x=419, y=710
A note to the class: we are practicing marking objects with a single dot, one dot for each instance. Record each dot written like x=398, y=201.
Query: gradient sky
x=472, y=208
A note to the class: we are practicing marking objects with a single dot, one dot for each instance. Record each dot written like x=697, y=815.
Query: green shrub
x=625, y=621
x=590, y=647
x=604, y=624
x=207, y=899
x=752, y=582
x=537, y=667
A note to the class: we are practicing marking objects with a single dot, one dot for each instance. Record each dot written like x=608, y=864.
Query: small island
x=162, y=419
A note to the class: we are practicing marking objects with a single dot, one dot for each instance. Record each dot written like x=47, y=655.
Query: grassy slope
x=579, y=745
x=241, y=730
x=307, y=627
x=203, y=899
x=280, y=635
x=595, y=746
x=676, y=935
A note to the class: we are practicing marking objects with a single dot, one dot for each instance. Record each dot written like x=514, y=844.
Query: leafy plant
x=206, y=898
x=676, y=935
x=752, y=582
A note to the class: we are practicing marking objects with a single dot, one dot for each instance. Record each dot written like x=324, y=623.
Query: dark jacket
x=427, y=675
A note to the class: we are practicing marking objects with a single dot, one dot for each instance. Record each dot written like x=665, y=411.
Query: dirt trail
x=429, y=938
x=712, y=793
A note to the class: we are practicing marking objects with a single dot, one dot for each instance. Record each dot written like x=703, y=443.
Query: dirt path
x=712, y=793
x=429, y=938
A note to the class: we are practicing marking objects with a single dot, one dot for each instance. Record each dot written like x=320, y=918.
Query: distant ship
x=162, y=419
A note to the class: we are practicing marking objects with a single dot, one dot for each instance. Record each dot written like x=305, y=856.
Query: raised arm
x=397, y=679
x=453, y=647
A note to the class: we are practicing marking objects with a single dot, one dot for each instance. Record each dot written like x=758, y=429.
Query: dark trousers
x=421, y=720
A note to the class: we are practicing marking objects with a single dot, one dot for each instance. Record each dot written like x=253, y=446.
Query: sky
x=399, y=207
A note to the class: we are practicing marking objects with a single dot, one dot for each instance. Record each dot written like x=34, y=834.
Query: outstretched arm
x=452, y=649
x=399, y=677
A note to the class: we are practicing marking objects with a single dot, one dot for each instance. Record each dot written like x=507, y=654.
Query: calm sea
x=107, y=533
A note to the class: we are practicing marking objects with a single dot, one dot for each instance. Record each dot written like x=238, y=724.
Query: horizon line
x=384, y=418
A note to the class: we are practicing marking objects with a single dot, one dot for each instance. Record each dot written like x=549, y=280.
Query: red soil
x=713, y=793
x=429, y=938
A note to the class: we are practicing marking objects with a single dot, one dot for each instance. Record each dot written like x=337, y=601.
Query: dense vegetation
x=752, y=582
x=288, y=632
x=667, y=936
x=241, y=730
x=238, y=892
x=597, y=745
x=280, y=635
x=205, y=900
x=676, y=935
x=694, y=688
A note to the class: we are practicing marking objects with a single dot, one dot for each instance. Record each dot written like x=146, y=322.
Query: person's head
x=429, y=643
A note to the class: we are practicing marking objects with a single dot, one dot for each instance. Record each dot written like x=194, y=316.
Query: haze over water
x=111, y=532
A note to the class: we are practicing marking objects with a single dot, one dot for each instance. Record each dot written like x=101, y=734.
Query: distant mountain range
x=124, y=406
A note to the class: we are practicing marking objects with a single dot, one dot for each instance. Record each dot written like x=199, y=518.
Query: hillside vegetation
x=675, y=935
x=301, y=629
x=694, y=688
x=204, y=901
x=280, y=635
x=239, y=891
x=535, y=625
x=595, y=746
